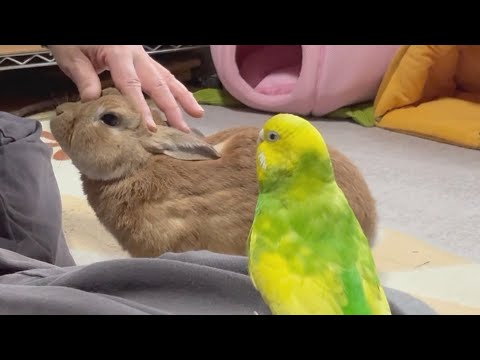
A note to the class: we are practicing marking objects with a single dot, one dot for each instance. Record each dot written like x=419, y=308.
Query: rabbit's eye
x=110, y=119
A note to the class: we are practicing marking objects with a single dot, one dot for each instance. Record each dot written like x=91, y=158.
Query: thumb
x=78, y=67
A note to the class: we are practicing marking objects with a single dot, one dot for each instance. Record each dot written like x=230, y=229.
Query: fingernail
x=90, y=93
x=152, y=126
x=150, y=122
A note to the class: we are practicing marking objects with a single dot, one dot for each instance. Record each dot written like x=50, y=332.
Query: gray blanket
x=190, y=283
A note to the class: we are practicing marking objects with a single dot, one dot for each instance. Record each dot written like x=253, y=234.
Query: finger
x=80, y=70
x=126, y=80
x=181, y=93
x=155, y=86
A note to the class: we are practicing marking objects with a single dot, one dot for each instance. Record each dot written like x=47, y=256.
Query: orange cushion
x=433, y=91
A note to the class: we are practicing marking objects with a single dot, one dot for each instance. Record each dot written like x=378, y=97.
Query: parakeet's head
x=288, y=144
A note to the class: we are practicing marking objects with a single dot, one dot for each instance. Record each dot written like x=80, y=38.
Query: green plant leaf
x=360, y=113
x=217, y=97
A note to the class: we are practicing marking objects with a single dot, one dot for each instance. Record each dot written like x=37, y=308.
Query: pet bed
x=433, y=91
x=301, y=79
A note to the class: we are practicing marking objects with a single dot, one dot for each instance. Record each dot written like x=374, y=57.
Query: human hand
x=132, y=71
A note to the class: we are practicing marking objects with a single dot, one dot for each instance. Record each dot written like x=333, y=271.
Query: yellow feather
x=288, y=293
x=303, y=139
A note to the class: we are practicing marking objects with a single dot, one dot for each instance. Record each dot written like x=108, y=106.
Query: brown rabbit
x=171, y=191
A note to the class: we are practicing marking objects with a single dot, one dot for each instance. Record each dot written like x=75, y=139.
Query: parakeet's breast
x=289, y=293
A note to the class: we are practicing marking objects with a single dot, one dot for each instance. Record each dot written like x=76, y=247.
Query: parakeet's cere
x=307, y=251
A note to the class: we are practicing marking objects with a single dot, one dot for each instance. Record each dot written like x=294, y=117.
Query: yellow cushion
x=433, y=91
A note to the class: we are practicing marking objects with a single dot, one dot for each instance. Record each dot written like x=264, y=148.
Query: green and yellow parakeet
x=307, y=251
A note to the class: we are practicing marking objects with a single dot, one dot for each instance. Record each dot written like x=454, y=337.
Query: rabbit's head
x=107, y=139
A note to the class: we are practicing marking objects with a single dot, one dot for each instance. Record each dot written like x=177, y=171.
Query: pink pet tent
x=302, y=79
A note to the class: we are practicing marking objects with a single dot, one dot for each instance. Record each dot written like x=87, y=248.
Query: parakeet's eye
x=273, y=136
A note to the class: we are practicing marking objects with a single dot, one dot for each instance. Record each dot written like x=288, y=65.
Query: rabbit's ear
x=160, y=119
x=67, y=107
x=110, y=91
x=197, y=132
x=158, y=116
x=179, y=145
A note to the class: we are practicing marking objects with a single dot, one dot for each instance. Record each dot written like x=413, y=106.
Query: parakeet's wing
x=357, y=266
x=372, y=286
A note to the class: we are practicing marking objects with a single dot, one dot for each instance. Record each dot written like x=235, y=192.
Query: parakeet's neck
x=310, y=170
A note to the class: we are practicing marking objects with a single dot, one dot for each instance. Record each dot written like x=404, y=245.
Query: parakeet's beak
x=260, y=137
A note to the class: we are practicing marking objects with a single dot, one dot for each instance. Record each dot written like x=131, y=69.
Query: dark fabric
x=197, y=282
x=38, y=274
x=30, y=207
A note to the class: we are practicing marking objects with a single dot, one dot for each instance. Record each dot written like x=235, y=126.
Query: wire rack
x=45, y=58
